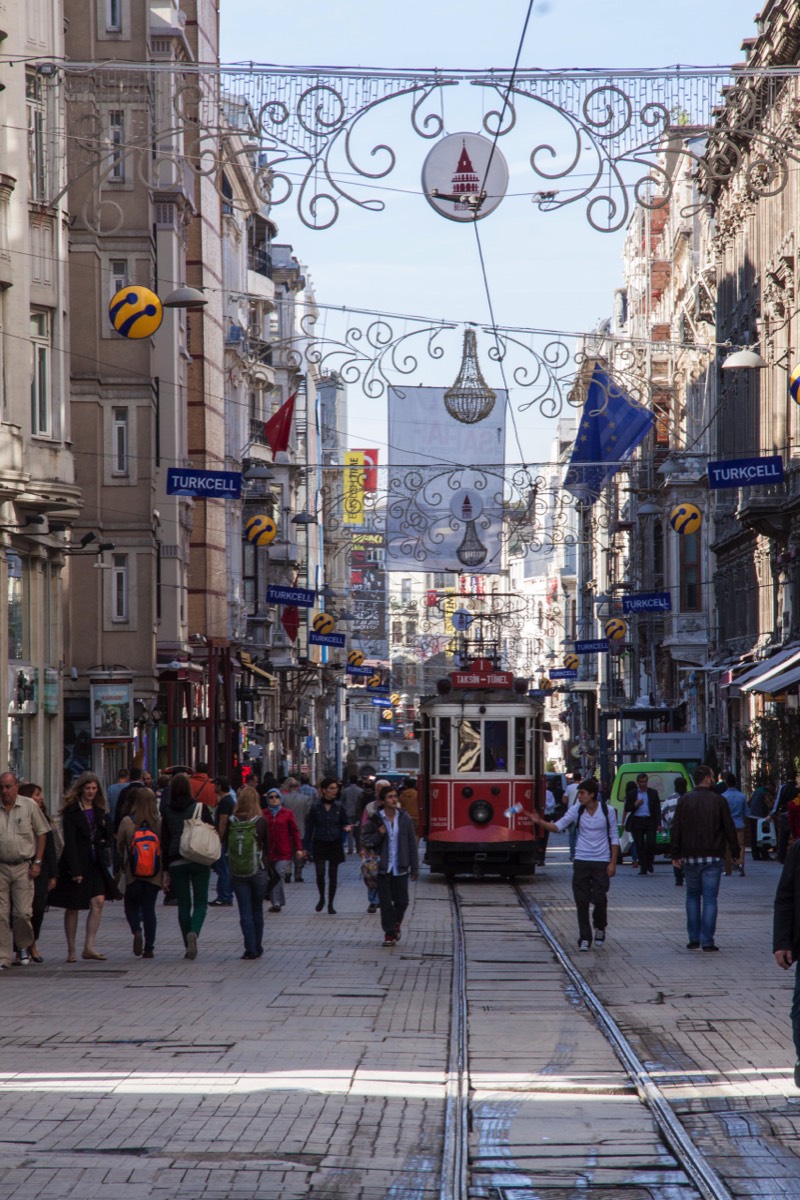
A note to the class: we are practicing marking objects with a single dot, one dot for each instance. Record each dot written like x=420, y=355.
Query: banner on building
x=444, y=513
x=370, y=471
x=368, y=600
x=354, y=487
x=112, y=710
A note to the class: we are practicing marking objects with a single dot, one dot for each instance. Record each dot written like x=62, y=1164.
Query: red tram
x=482, y=776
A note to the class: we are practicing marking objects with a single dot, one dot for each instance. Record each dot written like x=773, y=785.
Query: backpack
x=144, y=853
x=604, y=807
x=199, y=842
x=244, y=853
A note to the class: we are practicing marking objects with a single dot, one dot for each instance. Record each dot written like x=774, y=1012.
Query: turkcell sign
x=301, y=597
x=365, y=671
x=326, y=639
x=644, y=602
x=379, y=701
x=214, y=485
x=563, y=673
x=745, y=472
x=599, y=646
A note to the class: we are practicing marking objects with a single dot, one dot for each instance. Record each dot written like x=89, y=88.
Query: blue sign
x=365, y=671
x=212, y=485
x=599, y=646
x=302, y=597
x=644, y=602
x=380, y=701
x=326, y=639
x=461, y=620
x=386, y=728
x=745, y=472
x=563, y=673
x=379, y=691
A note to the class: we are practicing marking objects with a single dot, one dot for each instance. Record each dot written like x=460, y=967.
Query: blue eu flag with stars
x=612, y=426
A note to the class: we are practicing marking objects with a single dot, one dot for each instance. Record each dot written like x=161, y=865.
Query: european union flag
x=612, y=426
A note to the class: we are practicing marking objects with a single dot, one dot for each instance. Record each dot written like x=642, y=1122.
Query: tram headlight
x=481, y=812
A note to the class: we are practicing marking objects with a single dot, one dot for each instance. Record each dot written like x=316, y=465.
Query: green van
x=660, y=776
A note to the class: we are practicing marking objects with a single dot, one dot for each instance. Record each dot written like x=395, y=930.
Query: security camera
x=73, y=672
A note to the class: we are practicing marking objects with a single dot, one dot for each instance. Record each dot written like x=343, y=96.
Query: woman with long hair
x=189, y=880
x=325, y=824
x=248, y=853
x=84, y=875
x=139, y=845
x=46, y=879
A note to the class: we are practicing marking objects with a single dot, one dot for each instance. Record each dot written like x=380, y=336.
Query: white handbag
x=199, y=842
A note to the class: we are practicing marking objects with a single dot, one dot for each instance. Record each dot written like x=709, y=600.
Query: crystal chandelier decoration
x=472, y=551
x=470, y=399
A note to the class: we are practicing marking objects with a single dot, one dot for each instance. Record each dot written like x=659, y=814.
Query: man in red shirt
x=284, y=844
x=203, y=789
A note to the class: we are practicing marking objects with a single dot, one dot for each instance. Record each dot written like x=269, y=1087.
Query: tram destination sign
x=482, y=674
x=745, y=472
x=598, y=646
x=645, y=602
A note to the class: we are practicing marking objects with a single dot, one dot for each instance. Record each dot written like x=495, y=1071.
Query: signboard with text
x=745, y=472
x=644, y=602
x=326, y=639
x=598, y=646
x=302, y=597
x=211, y=485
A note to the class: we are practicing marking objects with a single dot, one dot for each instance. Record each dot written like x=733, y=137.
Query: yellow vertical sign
x=354, y=487
x=449, y=606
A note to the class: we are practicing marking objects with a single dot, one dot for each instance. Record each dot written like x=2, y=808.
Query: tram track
x=458, y=1176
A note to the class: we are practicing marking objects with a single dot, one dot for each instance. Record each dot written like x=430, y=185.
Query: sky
x=544, y=270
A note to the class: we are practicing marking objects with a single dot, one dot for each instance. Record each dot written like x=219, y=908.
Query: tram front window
x=469, y=746
x=495, y=741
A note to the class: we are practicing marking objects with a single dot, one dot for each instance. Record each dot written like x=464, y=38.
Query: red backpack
x=145, y=853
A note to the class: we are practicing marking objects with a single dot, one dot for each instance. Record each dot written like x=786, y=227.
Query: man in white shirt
x=596, y=851
x=570, y=798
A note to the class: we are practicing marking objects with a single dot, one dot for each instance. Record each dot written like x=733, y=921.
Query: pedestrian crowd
x=142, y=839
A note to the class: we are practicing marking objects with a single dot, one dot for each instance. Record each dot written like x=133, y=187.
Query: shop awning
x=248, y=665
x=766, y=678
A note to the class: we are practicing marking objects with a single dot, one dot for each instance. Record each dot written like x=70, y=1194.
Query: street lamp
x=185, y=297
x=748, y=360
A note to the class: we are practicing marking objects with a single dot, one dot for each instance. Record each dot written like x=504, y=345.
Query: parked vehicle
x=660, y=776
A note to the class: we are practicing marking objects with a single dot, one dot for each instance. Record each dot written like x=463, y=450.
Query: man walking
x=779, y=813
x=223, y=811
x=595, y=864
x=701, y=829
x=786, y=938
x=645, y=823
x=23, y=830
x=737, y=805
x=390, y=833
x=298, y=803
x=351, y=799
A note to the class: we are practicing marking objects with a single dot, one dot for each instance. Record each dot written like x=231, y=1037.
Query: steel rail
x=693, y=1162
x=453, y=1177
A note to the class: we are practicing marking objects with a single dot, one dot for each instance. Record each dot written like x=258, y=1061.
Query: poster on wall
x=443, y=512
x=112, y=711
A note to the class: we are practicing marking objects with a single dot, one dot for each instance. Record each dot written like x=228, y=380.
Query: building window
x=114, y=16
x=17, y=608
x=116, y=138
x=690, y=573
x=41, y=407
x=119, y=277
x=37, y=159
x=119, y=587
x=120, y=443
x=250, y=577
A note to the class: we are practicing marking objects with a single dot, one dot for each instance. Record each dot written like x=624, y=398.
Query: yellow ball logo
x=395, y=698
x=135, y=312
x=260, y=530
x=794, y=384
x=323, y=623
x=387, y=714
x=615, y=629
x=355, y=658
x=571, y=662
x=374, y=681
x=686, y=518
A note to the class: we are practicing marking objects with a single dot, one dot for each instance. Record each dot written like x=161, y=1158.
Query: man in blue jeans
x=702, y=829
x=786, y=937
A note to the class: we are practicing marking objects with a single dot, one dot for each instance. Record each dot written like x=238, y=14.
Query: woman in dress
x=141, y=891
x=189, y=879
x=46, y=879
x=84, y=876
x=325, y=824
x=248, y=850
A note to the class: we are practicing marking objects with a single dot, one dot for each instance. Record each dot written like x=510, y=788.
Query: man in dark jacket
x=390, y=832
x=701, y=829
x=645, y=811
x=786, y=937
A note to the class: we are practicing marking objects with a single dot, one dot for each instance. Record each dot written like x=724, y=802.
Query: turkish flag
x=278, y=428
x=290, y=620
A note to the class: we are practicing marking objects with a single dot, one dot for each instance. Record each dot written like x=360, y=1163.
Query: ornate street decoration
x=470, y=399
x=604, y=140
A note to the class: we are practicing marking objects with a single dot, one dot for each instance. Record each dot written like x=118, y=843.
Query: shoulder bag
x=199, y=842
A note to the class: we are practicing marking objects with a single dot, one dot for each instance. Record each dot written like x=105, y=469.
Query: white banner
x=444, y=510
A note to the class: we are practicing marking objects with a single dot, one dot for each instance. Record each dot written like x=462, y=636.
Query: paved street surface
x=319, y=1070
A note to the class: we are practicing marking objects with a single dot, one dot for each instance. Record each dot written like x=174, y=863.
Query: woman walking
x=325, y=825
x=84, y=875
x=248, y=851
x=46, y=879
x=139, y=845
x=189, y=880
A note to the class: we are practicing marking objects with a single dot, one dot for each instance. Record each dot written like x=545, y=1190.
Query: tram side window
x=495, y=741
x=469, y=746
x=444, y=745
x=521, y=765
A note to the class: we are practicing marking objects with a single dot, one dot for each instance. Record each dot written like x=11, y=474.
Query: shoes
x=274, y=908
x=599, y=937
x=72, y=957
x=191, y=945
x=583, y=944
x=643, y=872
x=650, y=871
x=23, y=959
x=249, y=956
x=678, y=883
x=741, y=870
x=36, y=958
x=372, y=908
x=5, y=966
x=389, y=939
x=331, y=910
x=692, y=945
x=397, y=934
x=259, y=952
x=138, y=943
x=320, y=905
x=94, y=955
x=797, y=1074
x=287, y=878
x=148, y=954
x=299, y=879
x=710, y=949
x=220, y=904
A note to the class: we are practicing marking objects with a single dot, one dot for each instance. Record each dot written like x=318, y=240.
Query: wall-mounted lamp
x=304, y=518
x=185, y=297
x=748, y=360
